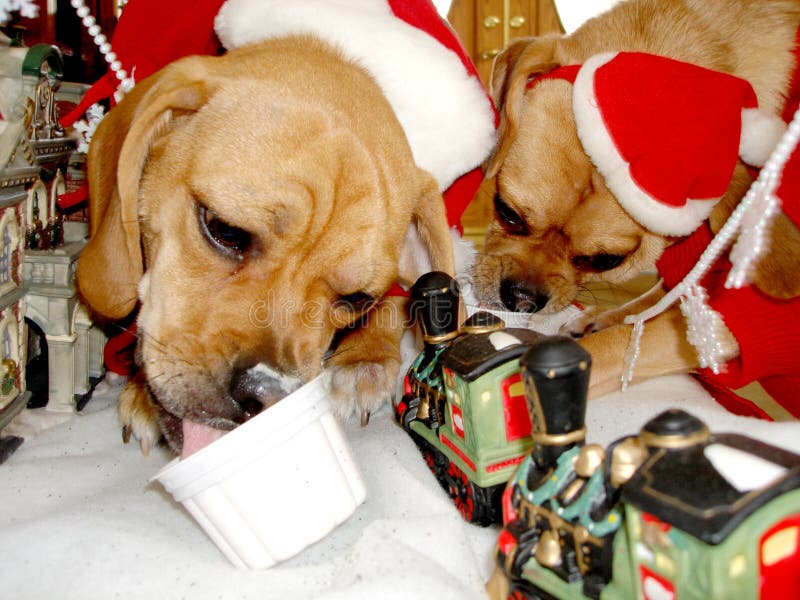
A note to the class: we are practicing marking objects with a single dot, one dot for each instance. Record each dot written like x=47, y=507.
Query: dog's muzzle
x=260, y=387
x=519, y=296
x=252, y=390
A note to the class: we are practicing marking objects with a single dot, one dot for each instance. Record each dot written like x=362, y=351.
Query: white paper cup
x=274, y=485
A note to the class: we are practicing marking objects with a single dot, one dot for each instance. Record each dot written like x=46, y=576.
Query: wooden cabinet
x=485, y=27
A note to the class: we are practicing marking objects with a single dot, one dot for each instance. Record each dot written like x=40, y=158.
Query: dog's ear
x=111, y=264
x=428, y=244
x=776, y=271
x=512, y=68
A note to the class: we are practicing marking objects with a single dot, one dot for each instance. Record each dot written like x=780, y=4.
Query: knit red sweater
x=766, y=329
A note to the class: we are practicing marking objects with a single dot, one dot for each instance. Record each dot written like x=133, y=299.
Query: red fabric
x=423, y=15
x=766, y=329
x=153, y=33
x=150, y=35
x=676, y=124
x=70, y=199
x=458, y=196
x=731, y=401
x=102, y=89
x=119, y=352
x=567, y=73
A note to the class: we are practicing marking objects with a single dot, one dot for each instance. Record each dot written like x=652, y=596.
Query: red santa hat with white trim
x=413, y=55
x=666, y=135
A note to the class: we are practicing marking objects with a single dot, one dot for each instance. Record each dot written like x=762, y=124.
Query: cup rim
x=250, y=440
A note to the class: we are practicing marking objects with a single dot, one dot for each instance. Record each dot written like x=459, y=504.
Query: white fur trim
x=761, y=132
x=646, y=210
x=464, y=253
x=445, y=113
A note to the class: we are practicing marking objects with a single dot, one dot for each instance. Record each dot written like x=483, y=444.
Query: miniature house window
x=9, y=357
x=37, y=215
x=6, y=346
x=9, y=242
x=5, y=255
x=58, y=187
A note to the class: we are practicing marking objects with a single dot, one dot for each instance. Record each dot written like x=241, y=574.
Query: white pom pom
x=761, y=132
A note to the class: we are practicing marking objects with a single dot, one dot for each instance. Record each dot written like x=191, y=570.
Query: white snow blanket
x=80, y=520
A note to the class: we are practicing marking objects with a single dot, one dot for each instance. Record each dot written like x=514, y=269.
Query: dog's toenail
x=126, y=434
x=365, y=418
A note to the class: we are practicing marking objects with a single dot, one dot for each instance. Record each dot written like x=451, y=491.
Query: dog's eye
x=226, y=237
x=355, y=303
x=598, y=262
x=509, y=219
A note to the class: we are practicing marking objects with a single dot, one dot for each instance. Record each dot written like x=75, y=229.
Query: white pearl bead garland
x=750, y=221
x=126, y=83
x=762, y=206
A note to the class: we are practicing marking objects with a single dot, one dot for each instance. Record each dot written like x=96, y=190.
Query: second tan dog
x=557, y=226
x=254, y=205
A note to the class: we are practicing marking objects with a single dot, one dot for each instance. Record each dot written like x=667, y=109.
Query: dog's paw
x=137, y=414
x=588, y=321
x=362, y=388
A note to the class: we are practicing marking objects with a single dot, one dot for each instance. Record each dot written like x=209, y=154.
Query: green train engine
x=464, y=402
x=673, y=512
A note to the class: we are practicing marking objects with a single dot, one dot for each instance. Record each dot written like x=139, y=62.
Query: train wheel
x=430, y=460
x=462, y=491
x=410, y=413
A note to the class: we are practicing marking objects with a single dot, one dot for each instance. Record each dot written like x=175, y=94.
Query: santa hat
x=666, y=135
x=413, y=55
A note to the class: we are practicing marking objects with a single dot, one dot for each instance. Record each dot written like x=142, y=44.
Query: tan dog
x=255, y=205
x=557, y=227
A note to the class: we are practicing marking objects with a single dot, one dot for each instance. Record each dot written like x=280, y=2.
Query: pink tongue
x=197, y=436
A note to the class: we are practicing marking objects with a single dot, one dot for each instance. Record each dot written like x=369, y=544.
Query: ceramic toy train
x=463, y=402
x=673, y=512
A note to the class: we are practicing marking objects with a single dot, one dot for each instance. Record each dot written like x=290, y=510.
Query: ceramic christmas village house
x=49, y=350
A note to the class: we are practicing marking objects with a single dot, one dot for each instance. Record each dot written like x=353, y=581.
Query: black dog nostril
x=519, y=297
x=246, y=390
x=259, y=387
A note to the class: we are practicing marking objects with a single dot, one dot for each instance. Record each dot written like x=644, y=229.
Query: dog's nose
x=520, y=297
x=259, y=387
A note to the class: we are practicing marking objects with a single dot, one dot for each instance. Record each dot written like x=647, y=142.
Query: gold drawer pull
x=491, y=21
x=516, y=21
x=489, y=54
